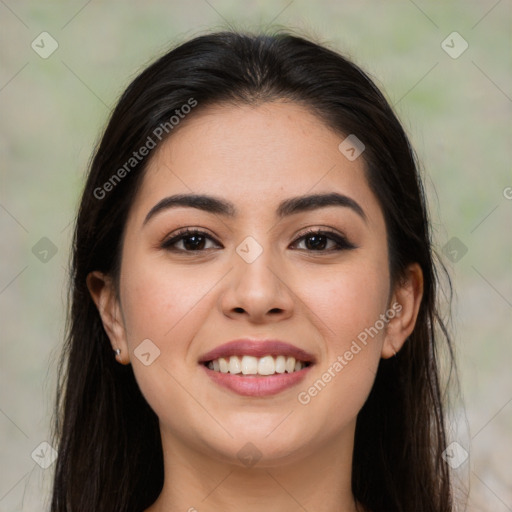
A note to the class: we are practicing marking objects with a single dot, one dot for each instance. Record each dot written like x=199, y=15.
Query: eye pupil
x=319, y=241
x=198, y=242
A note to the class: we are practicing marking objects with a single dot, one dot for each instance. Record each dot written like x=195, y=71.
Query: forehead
x=255, y=156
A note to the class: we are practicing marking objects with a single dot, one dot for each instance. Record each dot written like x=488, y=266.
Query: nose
x=259, y=291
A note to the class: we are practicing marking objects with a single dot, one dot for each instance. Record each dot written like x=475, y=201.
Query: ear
x=403, y=310
x=103, y=293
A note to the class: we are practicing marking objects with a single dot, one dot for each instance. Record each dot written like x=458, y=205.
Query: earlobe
x=405, y=305
x=103, y=293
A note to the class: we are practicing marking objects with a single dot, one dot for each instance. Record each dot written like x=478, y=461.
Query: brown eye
x=319, y=241
x=191, y=240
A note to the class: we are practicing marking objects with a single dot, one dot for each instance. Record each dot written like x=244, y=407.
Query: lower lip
x=252, y=385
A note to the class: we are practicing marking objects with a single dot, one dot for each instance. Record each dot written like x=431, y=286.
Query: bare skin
x=189, y=301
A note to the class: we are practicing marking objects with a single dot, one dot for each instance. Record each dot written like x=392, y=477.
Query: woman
x=253, y=320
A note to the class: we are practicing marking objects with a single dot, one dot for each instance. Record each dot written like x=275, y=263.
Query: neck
x=319, y=481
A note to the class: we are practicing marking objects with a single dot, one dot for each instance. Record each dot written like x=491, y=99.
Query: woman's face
x=255, y=274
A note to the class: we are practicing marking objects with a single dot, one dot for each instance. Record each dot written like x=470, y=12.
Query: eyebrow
x=287, y=207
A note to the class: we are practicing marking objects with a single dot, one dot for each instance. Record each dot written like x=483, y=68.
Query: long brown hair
x=110, y=454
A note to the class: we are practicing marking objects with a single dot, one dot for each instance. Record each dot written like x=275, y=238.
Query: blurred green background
x=455, y=106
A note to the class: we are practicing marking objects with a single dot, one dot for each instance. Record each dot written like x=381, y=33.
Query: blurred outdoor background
x=453, y=93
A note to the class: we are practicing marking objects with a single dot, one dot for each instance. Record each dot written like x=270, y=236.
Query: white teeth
x=234, y=365
x=250, y=365
x=290, y=364
x=266, y=366
x=280, y=364
x=223, y=364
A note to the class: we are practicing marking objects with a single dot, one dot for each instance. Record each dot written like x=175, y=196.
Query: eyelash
x=342, y=243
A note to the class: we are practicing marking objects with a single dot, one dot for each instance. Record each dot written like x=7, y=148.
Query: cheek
x=166, y=308
x=348, y=301
x=349, y=305
x=157, y=302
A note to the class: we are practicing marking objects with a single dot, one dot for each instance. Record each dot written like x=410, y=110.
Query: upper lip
x=257, y=348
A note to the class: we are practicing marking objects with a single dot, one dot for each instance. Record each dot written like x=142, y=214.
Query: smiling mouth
x=256, y=366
